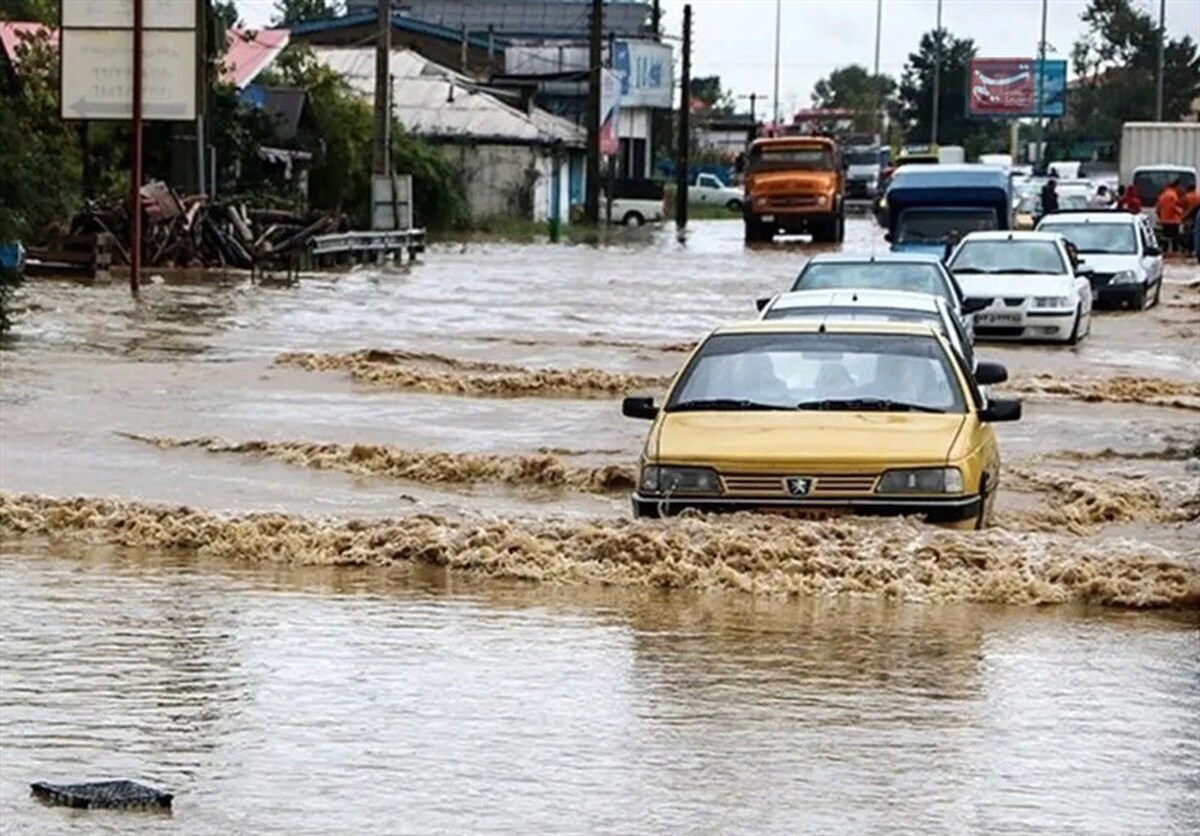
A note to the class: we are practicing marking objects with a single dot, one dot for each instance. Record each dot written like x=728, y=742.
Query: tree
x=853, y=88
x=707, y=90
x=916, y=96
x=299, y=11
x=1116, y=61
x=38, y=11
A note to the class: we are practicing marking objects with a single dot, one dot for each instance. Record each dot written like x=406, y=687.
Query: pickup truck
x=708, y=190
x=635, y=202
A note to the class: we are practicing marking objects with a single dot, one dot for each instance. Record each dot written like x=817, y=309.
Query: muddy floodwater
x=354, y=555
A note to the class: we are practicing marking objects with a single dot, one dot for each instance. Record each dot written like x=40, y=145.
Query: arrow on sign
x=86, y=108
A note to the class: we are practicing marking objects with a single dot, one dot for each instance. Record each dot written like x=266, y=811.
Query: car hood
x=782, y=182
x=927, y=247
x=775, y=441
x=1006, y=284
x=1110, y=262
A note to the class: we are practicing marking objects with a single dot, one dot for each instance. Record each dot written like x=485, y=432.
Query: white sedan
x=1030, y=284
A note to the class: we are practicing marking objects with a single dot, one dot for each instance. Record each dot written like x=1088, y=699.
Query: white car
x=874, y=306
x=708, y=190
x=1029, y=283
x=1120, y=252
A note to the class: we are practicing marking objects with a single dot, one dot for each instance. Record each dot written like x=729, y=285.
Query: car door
x=705, y=188
x=1151, y=255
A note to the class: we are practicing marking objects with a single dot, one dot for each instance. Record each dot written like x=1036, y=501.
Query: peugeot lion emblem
x=798, y=485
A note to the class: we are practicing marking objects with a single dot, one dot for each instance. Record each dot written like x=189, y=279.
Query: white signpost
x=97, y=59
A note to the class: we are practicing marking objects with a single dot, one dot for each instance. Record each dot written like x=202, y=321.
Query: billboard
x=645, y=71
x=1006, y=88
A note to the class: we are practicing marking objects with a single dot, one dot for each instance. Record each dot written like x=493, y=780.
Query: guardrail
x=377, y=245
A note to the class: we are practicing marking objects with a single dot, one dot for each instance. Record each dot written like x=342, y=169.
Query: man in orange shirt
x=1169, y=208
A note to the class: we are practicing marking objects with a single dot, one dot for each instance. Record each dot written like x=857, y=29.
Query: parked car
x=1026, y=285
x=1119, y=249
x=832, y=417
x=912, y=272
x=636, y=202
x=708, y=190
x=874, y=306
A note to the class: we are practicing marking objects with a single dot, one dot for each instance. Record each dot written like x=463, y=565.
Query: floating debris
x=103, y=795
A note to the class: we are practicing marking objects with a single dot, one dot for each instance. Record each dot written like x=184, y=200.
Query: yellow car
x=800, y=416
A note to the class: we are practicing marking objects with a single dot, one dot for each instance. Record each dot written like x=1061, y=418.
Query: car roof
x=1100, y=216
x=1011, y=235
x=1182, y=169
x=844, y=297
x=808, y=326
x=864, y=258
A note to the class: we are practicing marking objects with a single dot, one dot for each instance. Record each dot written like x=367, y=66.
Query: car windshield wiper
x=727, y=405
x=957, y=270
x=1026, y=271
x=867, y=405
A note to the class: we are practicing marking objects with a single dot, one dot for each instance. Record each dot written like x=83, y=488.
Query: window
x=1150, y=184
x=936, y=226
x=914, y=277
x=786, y=371
x=1109, y=238
x=1008, y=256
x=769, y=158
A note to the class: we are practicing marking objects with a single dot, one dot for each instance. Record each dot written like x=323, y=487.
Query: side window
x=706, y=180
x=963, y=339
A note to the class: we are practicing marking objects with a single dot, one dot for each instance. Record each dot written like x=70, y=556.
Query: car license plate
x=998, y=319
x=768, y=218
x=813, y=514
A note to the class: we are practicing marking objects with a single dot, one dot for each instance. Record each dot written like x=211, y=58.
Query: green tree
x=916, y=96
x=708, y=91
x=299, y=11
x=853, y=88
x=40, y=11
x=1116, y=62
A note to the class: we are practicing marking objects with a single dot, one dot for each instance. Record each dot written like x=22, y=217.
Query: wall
x=509, y=180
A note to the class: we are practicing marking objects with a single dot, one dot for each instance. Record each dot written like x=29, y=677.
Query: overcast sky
x=736, y=38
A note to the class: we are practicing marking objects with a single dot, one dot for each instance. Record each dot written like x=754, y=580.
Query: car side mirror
x=972, y=305
x=998, y=411
x=639, y=408
x=761, y=304
x=989, y=374
x=887, y=236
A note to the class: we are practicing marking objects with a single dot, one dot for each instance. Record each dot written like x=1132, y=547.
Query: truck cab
x=794, y=184
x=863, y=169
x=930, y=207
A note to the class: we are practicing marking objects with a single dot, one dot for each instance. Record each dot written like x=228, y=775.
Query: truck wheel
x=822, y=232
x=633, y=219
x=734, y=205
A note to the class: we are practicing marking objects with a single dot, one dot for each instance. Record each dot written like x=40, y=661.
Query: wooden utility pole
x=1162, y=61
x=682, y=162
x=591, y=206
x=381, y=158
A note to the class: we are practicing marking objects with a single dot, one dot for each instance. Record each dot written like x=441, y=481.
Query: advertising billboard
x=1006, y=88
x=645, y=71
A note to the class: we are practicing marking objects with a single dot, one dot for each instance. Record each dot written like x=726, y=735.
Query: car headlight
x=658, y=479
x=822, y=200
x=1051, y=302
x=1125, y=277
x=922, y=480
x=760, y=202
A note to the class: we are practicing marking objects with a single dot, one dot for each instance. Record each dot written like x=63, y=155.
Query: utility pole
x=754, y=98
x=656, y=19
x=878, y=120
x=682, y=163
x=591, y=206
x=135, y=197
x=1040, y=156
x=937, y=75
x=1162, y=60
x=381, y=159
x=778, y=22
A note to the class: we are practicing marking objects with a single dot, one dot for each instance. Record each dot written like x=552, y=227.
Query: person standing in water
x=1050, y=197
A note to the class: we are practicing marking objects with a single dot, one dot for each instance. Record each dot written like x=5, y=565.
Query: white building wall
x=511, y=180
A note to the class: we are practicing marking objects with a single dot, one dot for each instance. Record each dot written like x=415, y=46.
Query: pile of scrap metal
x=196, y=231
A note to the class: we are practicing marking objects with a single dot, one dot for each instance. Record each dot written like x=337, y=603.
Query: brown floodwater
x=405, y=596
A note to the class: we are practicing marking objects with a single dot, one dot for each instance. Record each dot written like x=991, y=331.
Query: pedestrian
x=1101, y=199
x=1191, y=217
x=1169, y=208
x=1050, y=197
x=1130, y=201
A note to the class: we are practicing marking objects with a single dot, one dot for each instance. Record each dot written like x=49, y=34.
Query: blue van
x=929, y=206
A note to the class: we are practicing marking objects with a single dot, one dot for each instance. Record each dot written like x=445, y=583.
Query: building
x=514, y=160
x=522, y=19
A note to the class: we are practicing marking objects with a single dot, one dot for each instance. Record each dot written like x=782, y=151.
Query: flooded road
x=445, y=622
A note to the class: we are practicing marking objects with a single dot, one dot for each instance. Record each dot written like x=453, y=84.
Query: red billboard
x=1001, y=87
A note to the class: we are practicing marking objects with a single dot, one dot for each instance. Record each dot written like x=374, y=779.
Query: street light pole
x=778, y=21
x=878, y=120
x=937, y=75
x=1162, y=60
x=1040, y=157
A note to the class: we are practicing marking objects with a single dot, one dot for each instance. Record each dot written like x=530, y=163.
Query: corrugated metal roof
x=433, y=101
x=523, y=18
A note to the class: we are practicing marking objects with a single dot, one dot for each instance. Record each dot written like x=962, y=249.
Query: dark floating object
x=104, y=795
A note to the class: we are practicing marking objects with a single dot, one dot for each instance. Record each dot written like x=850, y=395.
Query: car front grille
x=1014, y=301
x=839, y=484
x=1100, y=279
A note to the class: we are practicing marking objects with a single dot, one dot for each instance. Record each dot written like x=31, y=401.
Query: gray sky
x=736, y=38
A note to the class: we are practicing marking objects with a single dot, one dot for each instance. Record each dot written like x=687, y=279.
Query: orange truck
x=795, y=184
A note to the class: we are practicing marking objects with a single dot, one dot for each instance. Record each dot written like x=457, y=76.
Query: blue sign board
x=1054, y=75
x=645, y=71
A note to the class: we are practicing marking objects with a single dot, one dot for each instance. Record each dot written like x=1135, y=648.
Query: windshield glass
x=1097, y=238
x=855, y=315
x=768, y=158
x=1150, y=184
x=862, y=158
x=1074, y=201
x=855, y=372
x=1008, y=257
x=924, y=225
x=874, y=275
